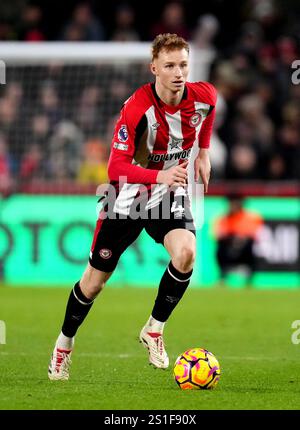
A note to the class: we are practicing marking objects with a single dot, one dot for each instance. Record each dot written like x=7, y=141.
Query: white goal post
x=19, y=53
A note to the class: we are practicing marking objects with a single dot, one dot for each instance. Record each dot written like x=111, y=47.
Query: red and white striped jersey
x=150, y=136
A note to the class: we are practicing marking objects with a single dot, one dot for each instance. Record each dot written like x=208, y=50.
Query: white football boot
x=153, y=341
x=59, y=364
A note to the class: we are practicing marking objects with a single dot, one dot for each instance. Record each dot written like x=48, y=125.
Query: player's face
x=171, y=69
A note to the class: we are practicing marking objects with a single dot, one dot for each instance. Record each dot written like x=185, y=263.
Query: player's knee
x=95, y=289
x=92, y=282
x=91, y=288
x=185, y=258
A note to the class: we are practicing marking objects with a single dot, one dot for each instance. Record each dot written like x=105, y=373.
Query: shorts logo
x=105, y=253
x=123, y=133
x=195, y=119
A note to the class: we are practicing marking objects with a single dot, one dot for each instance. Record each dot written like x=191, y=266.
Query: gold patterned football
x=197, y=369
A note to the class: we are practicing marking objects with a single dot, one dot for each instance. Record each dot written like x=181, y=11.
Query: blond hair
x=168, y=42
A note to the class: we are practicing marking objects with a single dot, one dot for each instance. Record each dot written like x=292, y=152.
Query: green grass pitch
x=249, y=331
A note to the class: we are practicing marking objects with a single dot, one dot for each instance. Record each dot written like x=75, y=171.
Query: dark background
x=231, y=13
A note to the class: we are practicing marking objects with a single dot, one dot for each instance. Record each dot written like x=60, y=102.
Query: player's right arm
x=123, y=148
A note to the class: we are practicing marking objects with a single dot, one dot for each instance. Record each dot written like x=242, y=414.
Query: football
x=197, y=369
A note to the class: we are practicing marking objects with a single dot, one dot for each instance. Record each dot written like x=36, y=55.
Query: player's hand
x=176, y=175
x=202, y=168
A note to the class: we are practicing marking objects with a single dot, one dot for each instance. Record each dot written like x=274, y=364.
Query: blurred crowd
x=59, y=124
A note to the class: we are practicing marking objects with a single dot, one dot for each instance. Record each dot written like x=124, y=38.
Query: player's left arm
x=202, y=166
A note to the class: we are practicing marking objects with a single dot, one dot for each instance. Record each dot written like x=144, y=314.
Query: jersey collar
x=171, y=109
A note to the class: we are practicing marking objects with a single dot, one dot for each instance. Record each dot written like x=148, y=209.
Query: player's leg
x=177, y=233
x=79, y=304
x=181, y=246
x=111, y=238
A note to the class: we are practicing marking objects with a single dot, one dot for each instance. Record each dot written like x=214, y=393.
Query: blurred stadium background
x=69, y=68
